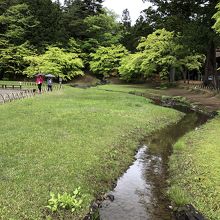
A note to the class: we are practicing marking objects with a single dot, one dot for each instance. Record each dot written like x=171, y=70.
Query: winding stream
x=140, y=192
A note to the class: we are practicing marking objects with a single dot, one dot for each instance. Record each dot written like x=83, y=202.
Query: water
x=140, y=192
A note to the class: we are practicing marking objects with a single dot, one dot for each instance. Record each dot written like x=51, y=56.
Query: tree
x=5, y=4
x=191, y=63
x=17, y=23
x=104, y=28
x=56, y=61
x=93, y=6
x=126, y=27
x=50, y=29
x=74, y=14
x=126, y=19
x=12, y=58
x=131, y=36
x=106, y=60
x=216, y=16
x=158, y=54
x=193, y=19
x=130, y=68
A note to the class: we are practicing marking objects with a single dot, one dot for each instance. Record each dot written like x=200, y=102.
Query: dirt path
x=207, y=99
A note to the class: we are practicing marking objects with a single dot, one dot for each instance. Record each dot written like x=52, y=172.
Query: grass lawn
x=139, y=88
x=195, y=170
x=69, y=138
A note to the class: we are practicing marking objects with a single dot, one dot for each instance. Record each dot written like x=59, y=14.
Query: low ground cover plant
x=67, y=201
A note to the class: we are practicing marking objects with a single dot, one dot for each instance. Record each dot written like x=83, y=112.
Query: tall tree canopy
x=17, y=23
x=159, y=55
x=74, y=14
x=193, y=19
x=106, y=60
x=57, y=61
x=183, y=29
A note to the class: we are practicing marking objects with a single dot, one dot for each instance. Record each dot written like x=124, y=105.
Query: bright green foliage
x=193, y=19
x=12, y=60
x=106, y=60
x=55, y=61
x=73, y=46
x=66, y=201
x=192, y=62
x=104, y=28
x=130, y=67
x=17, y=22
x=158, y=54
x=216, y=16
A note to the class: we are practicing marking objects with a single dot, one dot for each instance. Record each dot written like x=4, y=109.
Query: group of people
x=39, y=82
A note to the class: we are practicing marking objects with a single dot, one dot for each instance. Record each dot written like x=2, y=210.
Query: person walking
x=49, y=84
x=39, y=82
x=60, y=81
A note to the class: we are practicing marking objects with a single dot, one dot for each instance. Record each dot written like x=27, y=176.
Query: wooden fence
x=11, y=95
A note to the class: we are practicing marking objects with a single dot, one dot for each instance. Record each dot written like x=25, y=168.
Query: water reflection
x=140, y=192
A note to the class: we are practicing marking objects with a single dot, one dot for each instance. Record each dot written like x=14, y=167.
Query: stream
x=140, y=192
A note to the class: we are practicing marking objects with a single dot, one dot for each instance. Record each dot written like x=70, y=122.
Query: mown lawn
x=195, y=170
x=69, y=138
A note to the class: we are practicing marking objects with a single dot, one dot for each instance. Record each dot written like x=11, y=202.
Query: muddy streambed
x=140, y=192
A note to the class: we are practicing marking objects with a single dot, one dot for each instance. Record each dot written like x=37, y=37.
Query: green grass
x=195, y=170
x=127, y=88
x=66, y=139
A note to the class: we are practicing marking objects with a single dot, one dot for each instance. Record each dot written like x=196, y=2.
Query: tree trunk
x=187, y=73
x=184, y=75
x=210, y=65
x=172, y=74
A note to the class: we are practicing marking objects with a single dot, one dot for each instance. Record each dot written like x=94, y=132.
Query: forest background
x=170, y=40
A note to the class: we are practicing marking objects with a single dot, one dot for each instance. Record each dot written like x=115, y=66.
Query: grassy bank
x=195, y=170
x=69, y=138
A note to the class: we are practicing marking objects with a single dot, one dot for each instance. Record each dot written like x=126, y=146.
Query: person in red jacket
x=39, y=81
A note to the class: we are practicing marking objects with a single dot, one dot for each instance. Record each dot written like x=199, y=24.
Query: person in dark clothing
x=49, y=84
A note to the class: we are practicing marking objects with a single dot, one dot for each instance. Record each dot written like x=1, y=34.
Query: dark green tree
x=17, y=23
x=140, y=29
x=74, y=14
x=49, y=16
x=126, y=27
x=5, y=4
x=126, y=18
